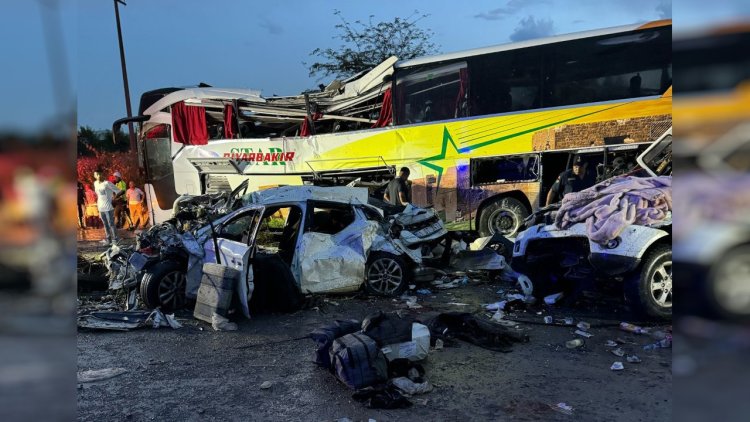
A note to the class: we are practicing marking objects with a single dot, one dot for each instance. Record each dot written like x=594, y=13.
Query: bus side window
x=609, y=67
x=505, y=170
x=506, y=81
x=426, y=95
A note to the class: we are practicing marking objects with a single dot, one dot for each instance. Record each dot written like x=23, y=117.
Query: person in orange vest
x=136, y=203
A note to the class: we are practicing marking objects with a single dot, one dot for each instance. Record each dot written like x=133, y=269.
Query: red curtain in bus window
x=386, y=111
x=229, y=121
x=305, y=129
x=463, y=84
x=189, y=124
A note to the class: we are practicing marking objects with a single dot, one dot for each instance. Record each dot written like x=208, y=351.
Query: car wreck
x=619, y=229
x=310, y=239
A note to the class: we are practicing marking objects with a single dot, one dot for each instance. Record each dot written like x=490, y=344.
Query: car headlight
x=612, y=244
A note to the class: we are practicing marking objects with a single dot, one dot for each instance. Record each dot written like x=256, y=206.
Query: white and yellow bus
x=485, y=132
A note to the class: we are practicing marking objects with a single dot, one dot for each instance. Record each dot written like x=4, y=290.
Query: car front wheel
x=163, y=286
x=386, y=274
x=649, y=290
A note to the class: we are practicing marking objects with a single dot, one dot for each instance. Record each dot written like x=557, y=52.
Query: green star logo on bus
x=447, y=138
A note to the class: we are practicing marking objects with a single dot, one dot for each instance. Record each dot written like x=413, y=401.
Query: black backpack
x=324, y=337
x=386, y=329
x=357, y=361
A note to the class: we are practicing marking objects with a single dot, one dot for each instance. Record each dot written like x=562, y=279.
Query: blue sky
x=261, y=45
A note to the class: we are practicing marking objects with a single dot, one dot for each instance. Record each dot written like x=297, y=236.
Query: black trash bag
x=275, y=288
x=325, y=335
x=382, y=396
x=386, y=329
x=465, y=326
x=405, y=368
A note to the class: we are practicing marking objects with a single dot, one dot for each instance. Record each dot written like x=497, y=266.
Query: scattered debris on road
x=95, y=375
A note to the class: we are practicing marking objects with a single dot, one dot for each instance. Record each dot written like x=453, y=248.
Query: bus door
x=156, y=145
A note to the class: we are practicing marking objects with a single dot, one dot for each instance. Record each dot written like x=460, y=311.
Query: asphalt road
x=195, y=373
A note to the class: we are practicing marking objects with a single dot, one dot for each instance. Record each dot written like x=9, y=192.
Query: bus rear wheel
x=504, y=216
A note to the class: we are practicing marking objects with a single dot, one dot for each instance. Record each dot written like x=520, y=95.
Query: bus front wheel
x=504, y=216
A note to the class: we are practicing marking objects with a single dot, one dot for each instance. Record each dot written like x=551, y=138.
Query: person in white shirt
x=105, y=192
x=135, y=203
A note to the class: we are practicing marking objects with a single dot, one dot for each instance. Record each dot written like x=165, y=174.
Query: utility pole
x=131, y=133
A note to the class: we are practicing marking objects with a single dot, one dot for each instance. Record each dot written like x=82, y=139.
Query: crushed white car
x=637, y=255
x=311, y=239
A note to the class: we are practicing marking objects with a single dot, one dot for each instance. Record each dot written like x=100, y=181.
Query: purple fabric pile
x=612, y=205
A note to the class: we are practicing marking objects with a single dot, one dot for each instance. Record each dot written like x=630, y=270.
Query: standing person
x=81, y=205
x=571, y=180
x=120, y=204
x=105, y=192
x=398, y=191
x=136, y=205
x=92, y=211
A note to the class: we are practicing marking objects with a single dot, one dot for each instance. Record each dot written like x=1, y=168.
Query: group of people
x=118, y=204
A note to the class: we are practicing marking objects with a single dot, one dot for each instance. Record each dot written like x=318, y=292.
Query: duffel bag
x=324, y=337
x=357, y=361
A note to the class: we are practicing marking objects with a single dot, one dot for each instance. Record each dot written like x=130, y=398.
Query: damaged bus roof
x=284, y=194
x=189, y=94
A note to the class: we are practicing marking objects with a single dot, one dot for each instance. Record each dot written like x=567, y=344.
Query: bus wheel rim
x=503, y=221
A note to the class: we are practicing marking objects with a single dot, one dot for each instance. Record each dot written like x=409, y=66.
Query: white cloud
x=529, y=28
x=664, y=9
x=510, y=8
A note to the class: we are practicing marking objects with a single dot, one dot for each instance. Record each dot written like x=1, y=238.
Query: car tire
x=163, y=286
x=727, y=286
x=504, y=215
x=648, y=289
x=386, y=274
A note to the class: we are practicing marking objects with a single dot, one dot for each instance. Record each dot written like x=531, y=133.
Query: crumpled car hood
x=419, y=225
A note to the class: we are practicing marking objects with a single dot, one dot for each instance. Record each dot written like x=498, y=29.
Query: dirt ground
x=195, y=373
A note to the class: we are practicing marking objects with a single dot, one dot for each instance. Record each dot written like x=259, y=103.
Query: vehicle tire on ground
x=727, y=286
x=386, y=274
x=163, y=286
x=504, y=216
x=648, y=289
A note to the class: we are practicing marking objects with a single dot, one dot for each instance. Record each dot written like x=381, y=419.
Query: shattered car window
x=331, y=220
x=279, y=228
x=237, y=229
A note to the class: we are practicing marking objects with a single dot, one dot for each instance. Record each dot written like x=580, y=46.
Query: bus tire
x=503, y=215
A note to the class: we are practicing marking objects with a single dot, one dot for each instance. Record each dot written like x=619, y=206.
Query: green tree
x=365, y=45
